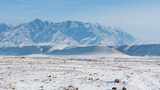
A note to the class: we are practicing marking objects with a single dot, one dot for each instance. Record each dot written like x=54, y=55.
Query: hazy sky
x=141, y=18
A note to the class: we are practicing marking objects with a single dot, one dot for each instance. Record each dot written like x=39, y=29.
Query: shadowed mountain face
x=141, y=50
x=29, y=50
x=62, y=35
x=90, y=50
x=136, y=50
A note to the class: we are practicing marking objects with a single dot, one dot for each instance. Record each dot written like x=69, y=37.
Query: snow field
x=65, y=74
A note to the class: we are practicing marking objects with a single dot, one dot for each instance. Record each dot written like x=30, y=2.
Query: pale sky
x=141, y=18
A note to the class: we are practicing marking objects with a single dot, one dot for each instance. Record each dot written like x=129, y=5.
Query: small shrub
x=114, y=88
x=117, y=81
x=124, y=88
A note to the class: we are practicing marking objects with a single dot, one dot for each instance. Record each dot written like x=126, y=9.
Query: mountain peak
x=37, y=20
x=37, y=24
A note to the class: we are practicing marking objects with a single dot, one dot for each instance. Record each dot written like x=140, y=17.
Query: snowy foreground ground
x=78, y=74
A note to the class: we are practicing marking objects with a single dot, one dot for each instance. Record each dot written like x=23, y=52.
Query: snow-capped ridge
x=39, y=32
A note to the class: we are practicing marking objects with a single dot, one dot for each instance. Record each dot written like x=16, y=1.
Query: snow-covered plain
x=33, y=73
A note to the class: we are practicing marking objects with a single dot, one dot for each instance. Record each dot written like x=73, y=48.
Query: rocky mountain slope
x=61, y=35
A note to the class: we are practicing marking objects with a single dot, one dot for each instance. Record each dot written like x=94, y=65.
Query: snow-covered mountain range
x=61, y=35
x=69, y=37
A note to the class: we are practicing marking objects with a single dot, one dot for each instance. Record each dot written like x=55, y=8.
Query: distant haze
x=141, y=18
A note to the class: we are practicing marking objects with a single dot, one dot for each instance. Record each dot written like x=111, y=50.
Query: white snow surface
x=53, y=73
